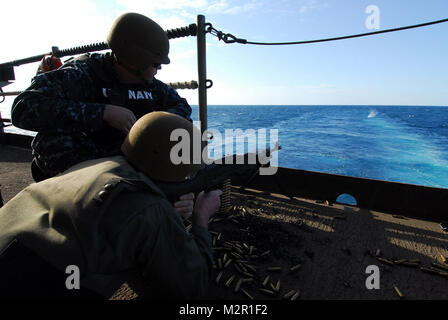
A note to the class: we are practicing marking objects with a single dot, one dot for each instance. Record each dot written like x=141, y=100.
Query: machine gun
x=215, y=174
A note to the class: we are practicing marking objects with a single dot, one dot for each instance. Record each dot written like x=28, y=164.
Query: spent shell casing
x=219, y=277
x=242, y=267
x=219, y=236
x=272, y=286
x=440, y=266
x=415, y=261
x=238, y=284
x=438, y=272
x=237, y=268
x=274, y=269
x=248, y=280
x=236, y=255
x=400, y=261
x=248, y=274
x=378, y=252
x=442, y=257
x=224, y=258
x=214, y=241
x=296, y=295
x=219, y=263
x=289, y=294
x=238, y=250
x=265, y=253
x=252, y=268
x=251, y=249
x=383, y=260
x=428, y=270
x=228, y=263
x=296, y=267
x=229, y=281
x=265, y=281
x=247, y=294
x=398, y=292
x=277, y=285
x=269, y=292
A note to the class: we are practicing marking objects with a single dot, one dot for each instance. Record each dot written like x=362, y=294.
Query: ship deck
x=330, y=245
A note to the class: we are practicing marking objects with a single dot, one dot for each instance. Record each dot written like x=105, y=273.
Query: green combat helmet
x=138, y=40
x=148, y=147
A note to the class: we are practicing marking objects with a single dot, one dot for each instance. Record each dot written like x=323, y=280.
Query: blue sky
x=402, y=68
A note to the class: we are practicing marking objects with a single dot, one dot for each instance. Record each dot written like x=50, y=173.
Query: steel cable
x=229, y=38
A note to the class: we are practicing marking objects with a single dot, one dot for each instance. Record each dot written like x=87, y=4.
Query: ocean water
x=406, y=144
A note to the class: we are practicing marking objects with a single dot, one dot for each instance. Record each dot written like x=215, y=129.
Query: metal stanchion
x=202, y=76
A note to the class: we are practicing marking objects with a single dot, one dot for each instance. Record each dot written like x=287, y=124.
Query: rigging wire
x=229, y=38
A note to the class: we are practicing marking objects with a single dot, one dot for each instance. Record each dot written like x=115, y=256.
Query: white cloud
x=150, y=8
x=311, y=5
x=223, y=7
x=31, y=28
x=217, y=7
x=171, y=22
x=168, y=14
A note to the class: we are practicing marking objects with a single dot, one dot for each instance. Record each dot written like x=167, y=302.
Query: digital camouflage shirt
x=66, y=109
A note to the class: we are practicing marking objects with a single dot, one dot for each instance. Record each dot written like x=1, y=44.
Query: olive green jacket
x=114, y=224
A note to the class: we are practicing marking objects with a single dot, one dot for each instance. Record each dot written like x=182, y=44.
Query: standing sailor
x=84, y=109
x=108, y=219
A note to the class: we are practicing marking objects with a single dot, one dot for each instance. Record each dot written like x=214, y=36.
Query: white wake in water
x=372, y=114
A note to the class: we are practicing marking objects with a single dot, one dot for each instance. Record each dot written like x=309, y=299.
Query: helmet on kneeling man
x=154, y=148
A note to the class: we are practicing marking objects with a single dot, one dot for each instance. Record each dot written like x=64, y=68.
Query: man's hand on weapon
x=207, y=204
x=185, y=205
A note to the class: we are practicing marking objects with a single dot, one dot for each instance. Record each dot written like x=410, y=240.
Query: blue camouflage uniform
x=66, y=109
